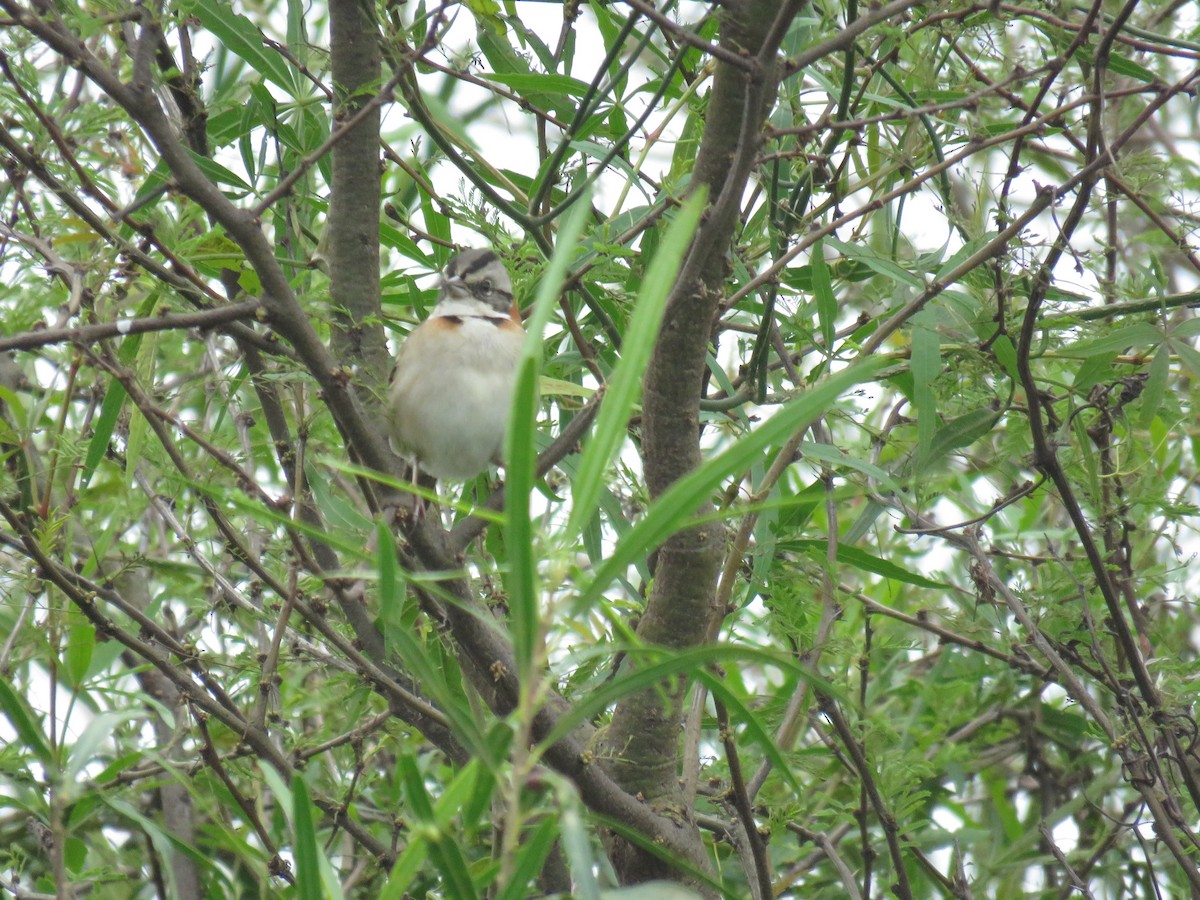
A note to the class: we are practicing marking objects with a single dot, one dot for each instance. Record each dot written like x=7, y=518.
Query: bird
x=452, y=382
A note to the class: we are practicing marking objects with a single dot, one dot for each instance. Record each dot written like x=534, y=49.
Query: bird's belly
x=453, y=418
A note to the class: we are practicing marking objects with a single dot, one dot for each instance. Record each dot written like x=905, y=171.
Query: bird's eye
x=485, y=286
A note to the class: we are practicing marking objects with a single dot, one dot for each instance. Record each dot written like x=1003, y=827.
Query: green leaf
x=837, y=458
x=556, y=387
x=1136, y=335
x=925, y=365
x=508, y=64
x=98, y=733
x=135, y=440
x=218, y=174
x=662, y=890
x=1189, y=357
x=1120, y=65
x=576, y=839
x=457, y=794
x=867, y=562
x=102, y=432
x=1155, y=388
x=680, y=501
x=75, y=854
x=956, y=433
x=1006, y=355
x=437, y=223
x=81, y=643
x=822, y=288
x=659, y=665
x=240, y=36
x=520, y=451
x=527, y=83
x=530, y=857
x=623, y=390
x=419, y=657
x=443, y=849
x=406, y=869
x=1093, y=370
x=308, y=873
x=27, y=728
x=863, y=254
x=114, y=399
x=164, y=842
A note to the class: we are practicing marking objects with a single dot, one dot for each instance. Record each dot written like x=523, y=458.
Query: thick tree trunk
x=352, y=241
x=642, y=743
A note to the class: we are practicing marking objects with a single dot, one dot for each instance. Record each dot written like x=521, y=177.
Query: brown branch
x=212, y=759
x=90, y=334
x=847, y=35
x=863, y=769
x=728, y=56
x=642, y=739
x=741, y=802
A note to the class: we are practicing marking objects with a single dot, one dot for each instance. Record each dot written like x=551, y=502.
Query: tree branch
x=642, y=739
x=90, y=334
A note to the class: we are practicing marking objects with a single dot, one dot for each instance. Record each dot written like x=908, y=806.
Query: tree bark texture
x=641, y=746
x=352, y=240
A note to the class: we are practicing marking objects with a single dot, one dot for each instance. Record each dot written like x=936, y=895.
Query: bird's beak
x=453, y=286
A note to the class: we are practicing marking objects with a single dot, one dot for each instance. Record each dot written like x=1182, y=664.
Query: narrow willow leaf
x=219, y=174
x=837, y=458
x=308, y=873
x=681, y=501
x=1156, y=385
x=138, y=426
x=164, y=842
x=240, y=36
x=544, y=91
x=680, y=662
x=1189, y=357
x=862, y=253
x=422, y=661
x=576, y=840
x=957, y=433
x=79, y=754
x=521, y=453
x=443, y=850
x=1092, y=371
x=623, y=389
x=529, y=83
x=925, y=365
x=391, y=613
x=437, y=223
x=28, y=730
x=114, y=399
x=521, y=575
x=822, y=288
x=102, y=432
x=1006, y=355
x=406, y=869
x=663, y=890
x=556, y=387
x=867, y=562
x=757, y=731
x=1124, y=337
x=455, y=796
x=396, y=484
x=535, y=846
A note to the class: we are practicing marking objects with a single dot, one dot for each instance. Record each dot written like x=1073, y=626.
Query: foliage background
x=866, y=573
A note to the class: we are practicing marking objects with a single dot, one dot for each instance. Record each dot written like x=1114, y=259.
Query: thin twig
x=90, y=334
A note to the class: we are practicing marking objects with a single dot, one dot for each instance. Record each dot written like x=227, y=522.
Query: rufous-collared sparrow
x=452, y=384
